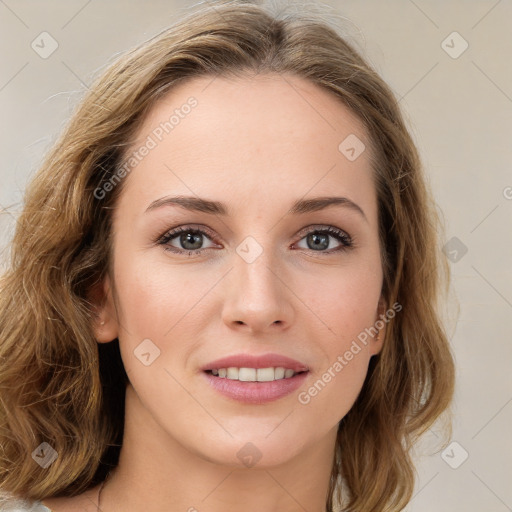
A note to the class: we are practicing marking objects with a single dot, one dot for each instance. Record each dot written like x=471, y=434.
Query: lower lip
x=256, y=392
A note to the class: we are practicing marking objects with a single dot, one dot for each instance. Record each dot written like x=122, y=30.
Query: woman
x=224, y=284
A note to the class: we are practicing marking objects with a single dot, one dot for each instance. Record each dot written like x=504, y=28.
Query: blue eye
x=318, y=239
x=191, y=240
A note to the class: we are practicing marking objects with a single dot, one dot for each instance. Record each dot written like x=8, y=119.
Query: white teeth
x=254, y=374
x=265, y=374
x=232, y=373
x=279, y=373
x=247, y=374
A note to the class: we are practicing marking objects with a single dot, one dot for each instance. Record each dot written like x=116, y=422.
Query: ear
x=105, y=322
x=380, y=324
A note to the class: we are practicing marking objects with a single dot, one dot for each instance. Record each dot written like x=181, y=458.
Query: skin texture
x=257, y=144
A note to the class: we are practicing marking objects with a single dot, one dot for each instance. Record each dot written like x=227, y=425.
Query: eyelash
x=341, y=236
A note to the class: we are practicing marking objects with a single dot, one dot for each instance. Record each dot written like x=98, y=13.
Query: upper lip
x=253, y=361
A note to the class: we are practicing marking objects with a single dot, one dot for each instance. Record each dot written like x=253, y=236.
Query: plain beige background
x=458, y=103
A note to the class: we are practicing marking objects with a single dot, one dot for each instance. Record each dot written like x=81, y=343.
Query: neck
x=157, y=473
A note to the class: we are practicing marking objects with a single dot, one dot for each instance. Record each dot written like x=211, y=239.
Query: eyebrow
x=300, y=207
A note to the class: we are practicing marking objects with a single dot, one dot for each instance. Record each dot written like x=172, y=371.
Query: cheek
x=164, y=304
x=344, y=301
x=345, y=309
x=154, y=296
x=332, y=392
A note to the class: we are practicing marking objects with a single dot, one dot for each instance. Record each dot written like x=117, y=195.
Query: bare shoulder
x=85, y=502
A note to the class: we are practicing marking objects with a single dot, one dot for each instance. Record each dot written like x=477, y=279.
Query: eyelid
x=184, y=227
x=321, y=227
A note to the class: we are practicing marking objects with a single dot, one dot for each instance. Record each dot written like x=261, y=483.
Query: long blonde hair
x=58, y=385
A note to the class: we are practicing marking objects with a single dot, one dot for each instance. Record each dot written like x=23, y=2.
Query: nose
x=258, y=298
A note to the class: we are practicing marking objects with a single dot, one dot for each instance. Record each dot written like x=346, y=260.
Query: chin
x=258, y=450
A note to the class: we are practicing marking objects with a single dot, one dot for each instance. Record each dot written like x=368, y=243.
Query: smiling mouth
x=243, y=374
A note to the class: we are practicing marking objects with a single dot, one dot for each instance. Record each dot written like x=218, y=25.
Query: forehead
x=250, y=136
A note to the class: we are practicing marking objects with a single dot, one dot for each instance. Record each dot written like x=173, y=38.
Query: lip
x=256, y=361
x=256, y=392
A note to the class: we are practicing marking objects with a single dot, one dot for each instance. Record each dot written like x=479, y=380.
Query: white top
x=17, y=505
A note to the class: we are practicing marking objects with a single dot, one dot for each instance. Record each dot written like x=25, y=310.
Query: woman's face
x=252, y=274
